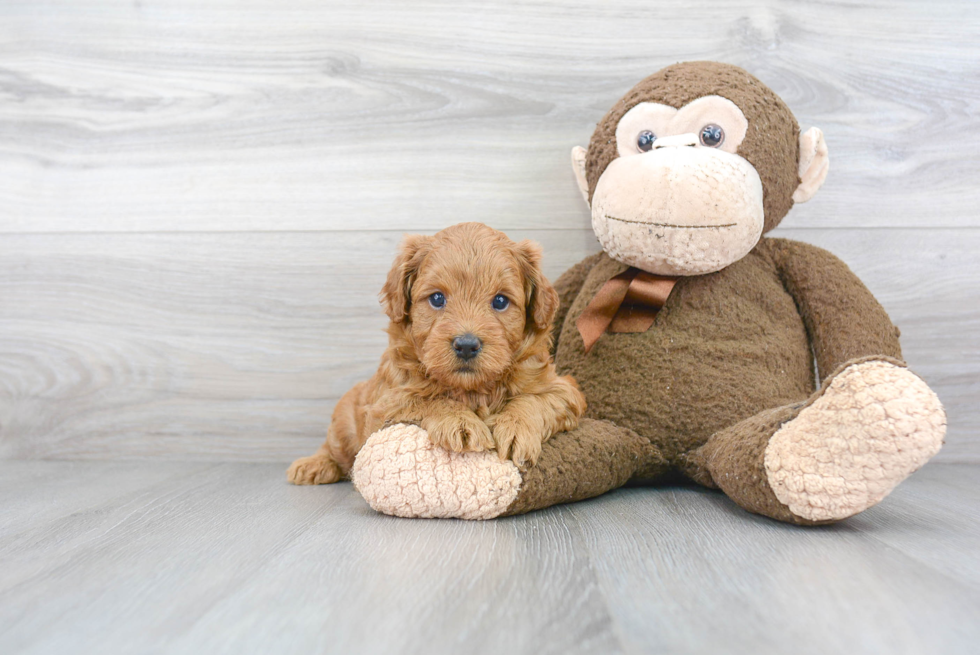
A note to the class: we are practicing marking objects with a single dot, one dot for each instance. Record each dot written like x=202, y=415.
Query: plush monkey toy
x=694, y=337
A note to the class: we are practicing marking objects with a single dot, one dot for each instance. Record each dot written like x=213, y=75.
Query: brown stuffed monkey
x=694, y=336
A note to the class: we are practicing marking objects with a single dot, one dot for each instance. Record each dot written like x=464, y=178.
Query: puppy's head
x=471, y=303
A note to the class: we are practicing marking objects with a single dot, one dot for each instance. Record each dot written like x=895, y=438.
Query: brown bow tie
x=627, y=303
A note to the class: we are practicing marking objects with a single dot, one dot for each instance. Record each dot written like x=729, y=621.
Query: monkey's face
x=678, y=200
x=684, y=181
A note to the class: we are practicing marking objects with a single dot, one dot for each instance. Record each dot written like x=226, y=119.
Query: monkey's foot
x=400, y=472
x=873, y=426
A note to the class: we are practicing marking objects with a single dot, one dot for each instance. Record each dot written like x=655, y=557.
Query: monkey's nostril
x=467, y=346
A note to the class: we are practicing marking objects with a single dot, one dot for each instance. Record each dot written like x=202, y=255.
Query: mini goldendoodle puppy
x=468, y=355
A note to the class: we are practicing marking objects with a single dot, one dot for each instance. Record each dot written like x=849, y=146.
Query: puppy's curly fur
x=505, y=397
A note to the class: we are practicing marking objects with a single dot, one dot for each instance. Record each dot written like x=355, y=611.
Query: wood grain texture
x=228, y=558
x=191, y=346
x=198, y=203
x=216, y=346
x=164, y=116
x=747, y=584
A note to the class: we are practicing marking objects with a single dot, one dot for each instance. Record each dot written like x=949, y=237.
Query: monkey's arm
x=400, y=472
x=568, y=287
x=843, y=319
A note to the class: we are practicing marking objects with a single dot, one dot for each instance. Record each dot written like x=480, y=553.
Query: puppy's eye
x=500, y=302
x=437, y=300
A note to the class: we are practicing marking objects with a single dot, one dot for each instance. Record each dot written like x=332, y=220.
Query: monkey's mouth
x=685, y=227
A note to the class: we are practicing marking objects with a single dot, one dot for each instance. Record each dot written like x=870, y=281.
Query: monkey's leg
x=400, y=472
x=868, y=428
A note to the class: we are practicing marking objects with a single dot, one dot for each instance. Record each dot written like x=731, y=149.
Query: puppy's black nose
x=467, y=346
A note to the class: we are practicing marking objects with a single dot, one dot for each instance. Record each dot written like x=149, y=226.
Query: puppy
x=468, y=355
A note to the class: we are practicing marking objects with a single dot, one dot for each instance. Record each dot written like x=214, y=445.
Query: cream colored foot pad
x=400, y=472
x=874, y=425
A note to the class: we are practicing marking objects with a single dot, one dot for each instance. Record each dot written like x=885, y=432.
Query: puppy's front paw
x=458, y=432
x=315, y=469
x=517, y=440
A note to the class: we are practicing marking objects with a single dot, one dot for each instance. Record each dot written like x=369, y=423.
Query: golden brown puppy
x=468, y=355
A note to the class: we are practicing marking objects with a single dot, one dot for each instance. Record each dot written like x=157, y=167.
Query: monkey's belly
x=679, y=388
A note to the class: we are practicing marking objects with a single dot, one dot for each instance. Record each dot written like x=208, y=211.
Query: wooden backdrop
x=199, y=200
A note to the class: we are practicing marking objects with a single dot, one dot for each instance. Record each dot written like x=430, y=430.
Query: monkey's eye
x=644, y=140
x=437, y=300
x=500, y=302
x=712, y=135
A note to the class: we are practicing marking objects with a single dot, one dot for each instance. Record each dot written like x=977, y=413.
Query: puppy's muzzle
x=467, y=347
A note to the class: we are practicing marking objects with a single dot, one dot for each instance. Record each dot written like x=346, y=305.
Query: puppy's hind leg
x=315, y=469
x=334, y=458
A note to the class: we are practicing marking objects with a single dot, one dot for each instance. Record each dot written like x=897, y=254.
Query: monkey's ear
x=814, y=164
x=578, y=166
x=396, y=294
x=540, y=297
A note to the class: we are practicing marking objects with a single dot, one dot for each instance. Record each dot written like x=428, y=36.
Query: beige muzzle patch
x=678, y=210
x=400, y=472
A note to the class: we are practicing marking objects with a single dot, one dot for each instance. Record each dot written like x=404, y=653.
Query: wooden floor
x=108, y=557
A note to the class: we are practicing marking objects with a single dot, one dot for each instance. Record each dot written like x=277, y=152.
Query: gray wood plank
x=684, y=570
x=38, y=494
x=236, y=560
x=934, y=519
x=214, y=346
x=235, y=346
x=232, y=559
x=173, y=116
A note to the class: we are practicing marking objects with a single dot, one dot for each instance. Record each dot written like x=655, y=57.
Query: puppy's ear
x=396, y=294
x=540, y=295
